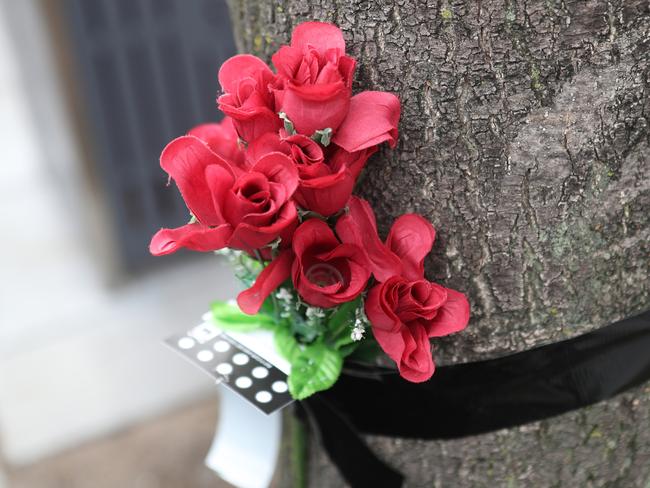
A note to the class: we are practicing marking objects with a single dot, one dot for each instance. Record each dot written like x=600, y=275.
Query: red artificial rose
x=404, y=314
x=316, y=78
x=371, y=120
x=325, y=271
x=222, y=139
x=240, y=210
x=248, y=100
x=405, y=309
x=326, y=187
x=326, y=178
x=302, y=150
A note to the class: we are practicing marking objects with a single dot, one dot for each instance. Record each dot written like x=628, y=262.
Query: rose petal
x=220, y=184
x=287, y=61
x=410, y=349
x=222, y=139
x=185, y=160
x=196, y=237
x=311, y=232
x=422, y=301
x=411, y=238
x=354, y=161
x=280, y=169
x=416, y=363
x=327, y=194
x=359, y=227
x=250, y=237
x=266, y=143
x=372, y=119
x=250, y=123
x=392, y=343
x=319, y=35
x=452, y=317
x=239, y=67
x=316, y=107
x=250, y=301
x=380, y=308
x=304, y=150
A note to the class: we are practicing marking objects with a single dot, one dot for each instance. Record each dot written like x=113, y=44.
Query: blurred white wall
x=78, y=358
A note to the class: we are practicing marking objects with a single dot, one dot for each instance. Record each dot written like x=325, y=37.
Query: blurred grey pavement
x=89, y=396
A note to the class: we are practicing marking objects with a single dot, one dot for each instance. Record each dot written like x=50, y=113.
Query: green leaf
x=344, y=340
x=339, y=323
x=227, y=316
x=324, y=136
x=268, y=307
x=286, y=344
x=349, y=348
x=316, y=368
x=366, y=351
x=343, y=315
x=307, y=331
x=288, y=125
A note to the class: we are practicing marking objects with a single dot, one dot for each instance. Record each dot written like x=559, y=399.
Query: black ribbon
x=474, y=398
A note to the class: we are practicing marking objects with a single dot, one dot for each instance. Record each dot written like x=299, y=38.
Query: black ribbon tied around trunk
x=474, y=398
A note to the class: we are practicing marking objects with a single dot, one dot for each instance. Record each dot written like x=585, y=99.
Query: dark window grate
x=148, y=70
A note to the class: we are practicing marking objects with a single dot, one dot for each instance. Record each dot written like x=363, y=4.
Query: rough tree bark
x=525, y=139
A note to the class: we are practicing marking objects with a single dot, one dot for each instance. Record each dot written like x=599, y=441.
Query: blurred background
x=91, y=91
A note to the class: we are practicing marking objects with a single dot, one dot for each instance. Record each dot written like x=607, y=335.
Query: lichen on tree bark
x=525, y=139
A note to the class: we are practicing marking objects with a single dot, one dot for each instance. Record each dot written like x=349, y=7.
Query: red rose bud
x=326, y=188
x=302, y=150
x=316, y=77
x=326, y=272
x=232, y=209
x=326, y=182
x=405, y=314
x=248, y=100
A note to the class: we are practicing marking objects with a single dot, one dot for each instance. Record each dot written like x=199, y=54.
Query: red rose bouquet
x=271, y=186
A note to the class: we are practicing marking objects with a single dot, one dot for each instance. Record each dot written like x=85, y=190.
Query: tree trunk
x=525, y=139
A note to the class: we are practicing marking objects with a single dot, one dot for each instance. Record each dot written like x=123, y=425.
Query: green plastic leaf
x=227, y=316
x=324, y=136
x=316, y=368
x=343, y=315
x=344, y=340
x=340, y=321
x=288, y=125
x=286, y=344
x=268, y=307
x=349, y=348
x=308, y=331
x=366, y=351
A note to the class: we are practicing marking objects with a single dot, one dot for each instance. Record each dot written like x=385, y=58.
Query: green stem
x=299, y=452
x=242, y=261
